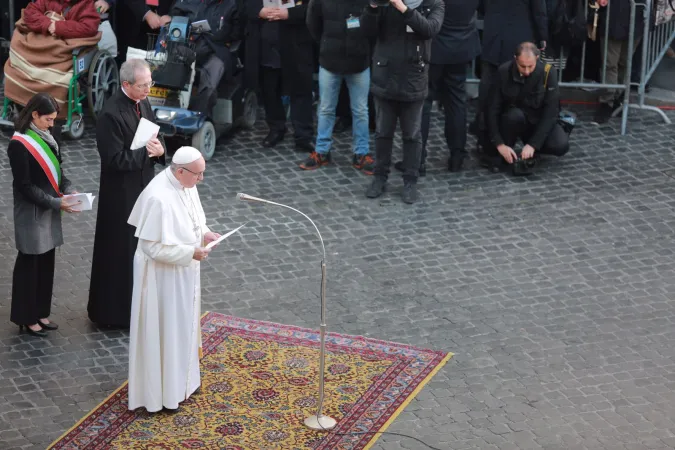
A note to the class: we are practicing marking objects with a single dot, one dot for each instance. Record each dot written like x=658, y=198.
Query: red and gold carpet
x=259, y=382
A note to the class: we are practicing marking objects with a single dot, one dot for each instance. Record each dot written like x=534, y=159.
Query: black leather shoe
x=48, y=326
x=376, y=188
x=304, y=145
x=39, y=333
x=409, y=194
x=273, y=138
x=422, y=170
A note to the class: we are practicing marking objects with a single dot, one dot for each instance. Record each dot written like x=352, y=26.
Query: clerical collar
x=125, y=93
x=174, y=181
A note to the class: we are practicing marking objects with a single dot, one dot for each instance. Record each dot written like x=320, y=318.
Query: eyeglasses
x=146, y=85
x=199, y=174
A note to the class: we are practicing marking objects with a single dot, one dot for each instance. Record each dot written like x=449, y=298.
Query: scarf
x=412, y=4
x=47, y=137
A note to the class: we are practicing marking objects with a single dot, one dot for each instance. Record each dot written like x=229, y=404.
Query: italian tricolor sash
x=43, y=154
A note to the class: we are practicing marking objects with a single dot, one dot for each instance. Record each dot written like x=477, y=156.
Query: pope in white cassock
x=165, y=337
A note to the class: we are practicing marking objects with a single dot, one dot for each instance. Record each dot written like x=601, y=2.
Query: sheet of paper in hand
x=146, y=130
x=86, y=199
x=223, y=237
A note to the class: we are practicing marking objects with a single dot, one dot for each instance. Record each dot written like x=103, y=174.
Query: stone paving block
x=553, y=291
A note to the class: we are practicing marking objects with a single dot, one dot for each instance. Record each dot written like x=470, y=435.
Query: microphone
x=250, y=198
x=318, y=421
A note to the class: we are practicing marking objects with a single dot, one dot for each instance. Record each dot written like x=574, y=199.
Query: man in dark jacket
x=507, y=23
x=214, y=60
x=279, y=58
x=344, y=55
x=524, y=103
x=399, y=82
x=616, y=16
x=453, y=48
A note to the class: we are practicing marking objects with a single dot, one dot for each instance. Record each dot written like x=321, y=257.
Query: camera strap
x=547, y=70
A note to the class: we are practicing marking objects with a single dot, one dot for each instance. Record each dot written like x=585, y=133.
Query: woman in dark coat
x=38, y=187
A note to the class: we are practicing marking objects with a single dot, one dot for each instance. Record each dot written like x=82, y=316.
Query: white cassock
x=165, y=336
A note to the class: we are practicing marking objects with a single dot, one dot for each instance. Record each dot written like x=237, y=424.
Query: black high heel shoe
x=39, y=333
x=48, y=326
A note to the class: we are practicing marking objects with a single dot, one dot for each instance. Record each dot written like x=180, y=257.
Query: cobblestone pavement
x=554, y=292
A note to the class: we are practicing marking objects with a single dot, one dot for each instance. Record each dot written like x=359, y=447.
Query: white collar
x=173, y=180
x=125, y=93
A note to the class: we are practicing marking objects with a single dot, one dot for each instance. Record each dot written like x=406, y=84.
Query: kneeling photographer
x=524, y=103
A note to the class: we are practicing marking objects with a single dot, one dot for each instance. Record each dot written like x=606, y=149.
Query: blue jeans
x=358, y=85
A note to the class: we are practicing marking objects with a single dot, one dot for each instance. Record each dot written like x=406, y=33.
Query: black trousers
x=388, y=113
x=301, y=104
x=32, y=284
x=514, y=125
x=447, y=84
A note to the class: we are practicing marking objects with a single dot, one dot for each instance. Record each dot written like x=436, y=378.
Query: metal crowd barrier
x=655, y=44
x=625, y=86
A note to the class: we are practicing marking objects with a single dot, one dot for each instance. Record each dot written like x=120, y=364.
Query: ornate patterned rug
x=259, y=383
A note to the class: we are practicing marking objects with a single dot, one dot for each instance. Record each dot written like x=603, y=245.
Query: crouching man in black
x=524, y=103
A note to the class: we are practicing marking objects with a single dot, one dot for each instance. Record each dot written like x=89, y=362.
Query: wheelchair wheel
x=76, y=129
x=250, y=112
x=102, y=82
x=205, y=140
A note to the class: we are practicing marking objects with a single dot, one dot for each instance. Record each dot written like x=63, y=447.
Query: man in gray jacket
x=399, y=82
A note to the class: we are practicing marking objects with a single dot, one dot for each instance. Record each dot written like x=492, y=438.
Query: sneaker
x=409, y=194
x=376, y=188
x=602, y=114
x=315, y=160
x=365, y=163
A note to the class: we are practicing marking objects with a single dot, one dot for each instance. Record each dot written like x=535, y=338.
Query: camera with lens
x=522, y=167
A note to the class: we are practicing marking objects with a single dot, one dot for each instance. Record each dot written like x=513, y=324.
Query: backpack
x=567, y=28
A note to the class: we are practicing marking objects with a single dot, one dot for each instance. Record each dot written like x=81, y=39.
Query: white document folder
x=146, y=130
x=86, y=199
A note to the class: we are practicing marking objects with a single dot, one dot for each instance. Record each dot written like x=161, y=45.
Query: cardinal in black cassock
x=124, y=174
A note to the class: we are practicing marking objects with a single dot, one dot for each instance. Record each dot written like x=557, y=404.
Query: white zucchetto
x=186, y=155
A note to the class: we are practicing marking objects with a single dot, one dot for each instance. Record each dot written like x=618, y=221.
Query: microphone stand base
x=320, y=423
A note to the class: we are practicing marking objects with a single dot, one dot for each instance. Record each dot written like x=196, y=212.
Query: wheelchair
x=171, y=57
x=95, y=79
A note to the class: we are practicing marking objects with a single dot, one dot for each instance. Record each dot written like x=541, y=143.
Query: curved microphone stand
x=318, y=421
